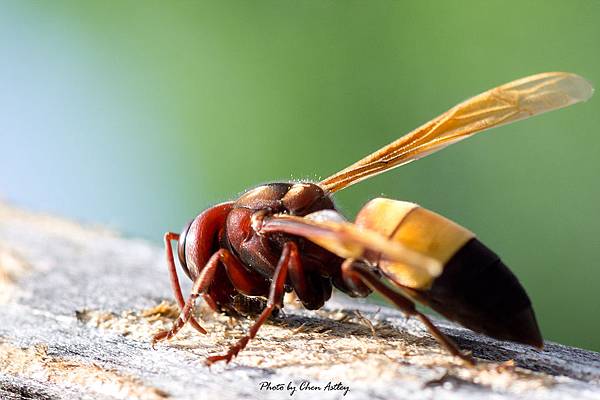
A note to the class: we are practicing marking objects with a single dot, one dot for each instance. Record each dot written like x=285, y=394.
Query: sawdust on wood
x=332, y=344
x=35, y=363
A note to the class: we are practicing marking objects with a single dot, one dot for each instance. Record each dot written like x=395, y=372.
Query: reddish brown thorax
x=230, y=225
x=261, y=252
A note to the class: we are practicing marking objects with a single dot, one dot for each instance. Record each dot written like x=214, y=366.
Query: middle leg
x=312, y=289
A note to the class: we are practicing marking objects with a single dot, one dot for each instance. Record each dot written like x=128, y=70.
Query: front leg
x=201, y=284
x=175, y=279
x=289, y=255
x=244, y=281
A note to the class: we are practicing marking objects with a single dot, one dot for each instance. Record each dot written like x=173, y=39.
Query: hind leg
x=350, y=269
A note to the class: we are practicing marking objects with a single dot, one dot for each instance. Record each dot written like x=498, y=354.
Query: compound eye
x=181, y=248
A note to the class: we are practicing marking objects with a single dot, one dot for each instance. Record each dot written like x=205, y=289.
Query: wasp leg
x=169, y=236
x=246, y=282
x=350, y=270
x=289, y=255
x=312, y=289
x=200, y=285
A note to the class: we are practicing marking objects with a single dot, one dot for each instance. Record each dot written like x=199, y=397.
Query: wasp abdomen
x=477, y=290
x=474, y=288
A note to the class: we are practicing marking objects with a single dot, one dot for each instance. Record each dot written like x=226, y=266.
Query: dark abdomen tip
x=477, y=290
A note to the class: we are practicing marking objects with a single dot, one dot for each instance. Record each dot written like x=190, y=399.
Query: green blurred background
x=140, y=114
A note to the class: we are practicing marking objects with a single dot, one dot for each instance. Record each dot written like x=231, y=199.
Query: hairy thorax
x=260, y=252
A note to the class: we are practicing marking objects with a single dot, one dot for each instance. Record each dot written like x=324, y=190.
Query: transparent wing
x=349, y=241
x=504, y=104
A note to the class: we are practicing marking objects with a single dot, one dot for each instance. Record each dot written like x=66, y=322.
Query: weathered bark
x=79, y=306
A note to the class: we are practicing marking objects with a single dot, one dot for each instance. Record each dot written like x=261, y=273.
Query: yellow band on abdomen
x=418, y=229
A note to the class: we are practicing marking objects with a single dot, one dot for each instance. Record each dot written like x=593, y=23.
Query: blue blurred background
x=138, y=115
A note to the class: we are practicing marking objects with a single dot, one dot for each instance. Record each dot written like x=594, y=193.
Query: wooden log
x=80, y=304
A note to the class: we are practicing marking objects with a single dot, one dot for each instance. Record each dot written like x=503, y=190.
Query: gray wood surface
x=80, y=304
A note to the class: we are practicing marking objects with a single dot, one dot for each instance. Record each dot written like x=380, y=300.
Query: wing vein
x=504, y=104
